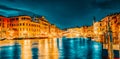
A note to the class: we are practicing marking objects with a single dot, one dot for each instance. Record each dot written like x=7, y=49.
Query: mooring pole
x=110, y=42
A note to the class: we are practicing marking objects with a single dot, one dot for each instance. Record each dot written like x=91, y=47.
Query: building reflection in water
x=10, y=51
x=48, y=49
x=75, y=48
x=79, y=48
x=26, y=49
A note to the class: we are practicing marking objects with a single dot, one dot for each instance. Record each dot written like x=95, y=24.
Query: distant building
x=99, y=30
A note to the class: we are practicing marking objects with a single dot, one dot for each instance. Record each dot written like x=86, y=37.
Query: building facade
x=25, y=27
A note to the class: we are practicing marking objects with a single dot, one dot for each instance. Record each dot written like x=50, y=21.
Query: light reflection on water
x=76, y=48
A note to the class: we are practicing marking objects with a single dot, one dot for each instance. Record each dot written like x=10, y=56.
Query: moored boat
x=105, y=54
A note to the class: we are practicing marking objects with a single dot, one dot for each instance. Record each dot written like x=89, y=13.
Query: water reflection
x=79, y=48
x=76, y=48
x=26, y=52
x=48, y=49
x=10, y=52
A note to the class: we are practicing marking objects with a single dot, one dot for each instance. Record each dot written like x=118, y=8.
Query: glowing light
x=96, y=46
x=10, y=48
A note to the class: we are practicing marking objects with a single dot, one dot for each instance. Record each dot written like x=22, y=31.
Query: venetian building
x=4, y=24
x=45, y=26
x=73, y=32
x=90, y=31
x=84, y=31
x=97, y=28
x=25, y=26
x=114, y=27
x=98, y=31
x=54, y=31
x=119, y=32
x=21, y=26
x=113, y=21
x=104, y=30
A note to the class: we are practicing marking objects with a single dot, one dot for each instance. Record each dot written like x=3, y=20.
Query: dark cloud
x=7, y=8
x=63, y=13
x=107, y=4
x=19, y=11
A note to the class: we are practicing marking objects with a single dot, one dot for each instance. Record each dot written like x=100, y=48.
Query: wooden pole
x=110, y=42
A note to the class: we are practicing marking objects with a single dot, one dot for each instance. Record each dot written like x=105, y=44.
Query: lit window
x=16, y=18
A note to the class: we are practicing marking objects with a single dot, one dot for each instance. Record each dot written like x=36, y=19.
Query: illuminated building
x=3, y=26
x=90, y=31
x=26, y=27
x=72, y=32
x=100, y=29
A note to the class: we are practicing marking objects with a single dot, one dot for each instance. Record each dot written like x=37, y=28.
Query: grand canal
x=75, y=48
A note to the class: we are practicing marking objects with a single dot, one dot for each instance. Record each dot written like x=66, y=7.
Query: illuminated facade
x=26, y=27
x=100, y=29
x=3, y=26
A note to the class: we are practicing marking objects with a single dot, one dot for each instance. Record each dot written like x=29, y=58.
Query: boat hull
x=105, y=54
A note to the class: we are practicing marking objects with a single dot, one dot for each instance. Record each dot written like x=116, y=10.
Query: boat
x=105, y=54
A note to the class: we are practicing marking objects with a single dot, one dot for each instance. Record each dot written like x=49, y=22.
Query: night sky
x=62, y=13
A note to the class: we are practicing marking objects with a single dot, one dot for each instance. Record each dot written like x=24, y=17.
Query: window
x=32, y=24
x=23, y=18
x=12, y=24
x=23, y=24
x=12, y=19
x=16, y=18
x=100, y=24
x=20, y=24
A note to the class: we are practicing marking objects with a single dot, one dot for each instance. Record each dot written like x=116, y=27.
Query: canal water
x=75, y=48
